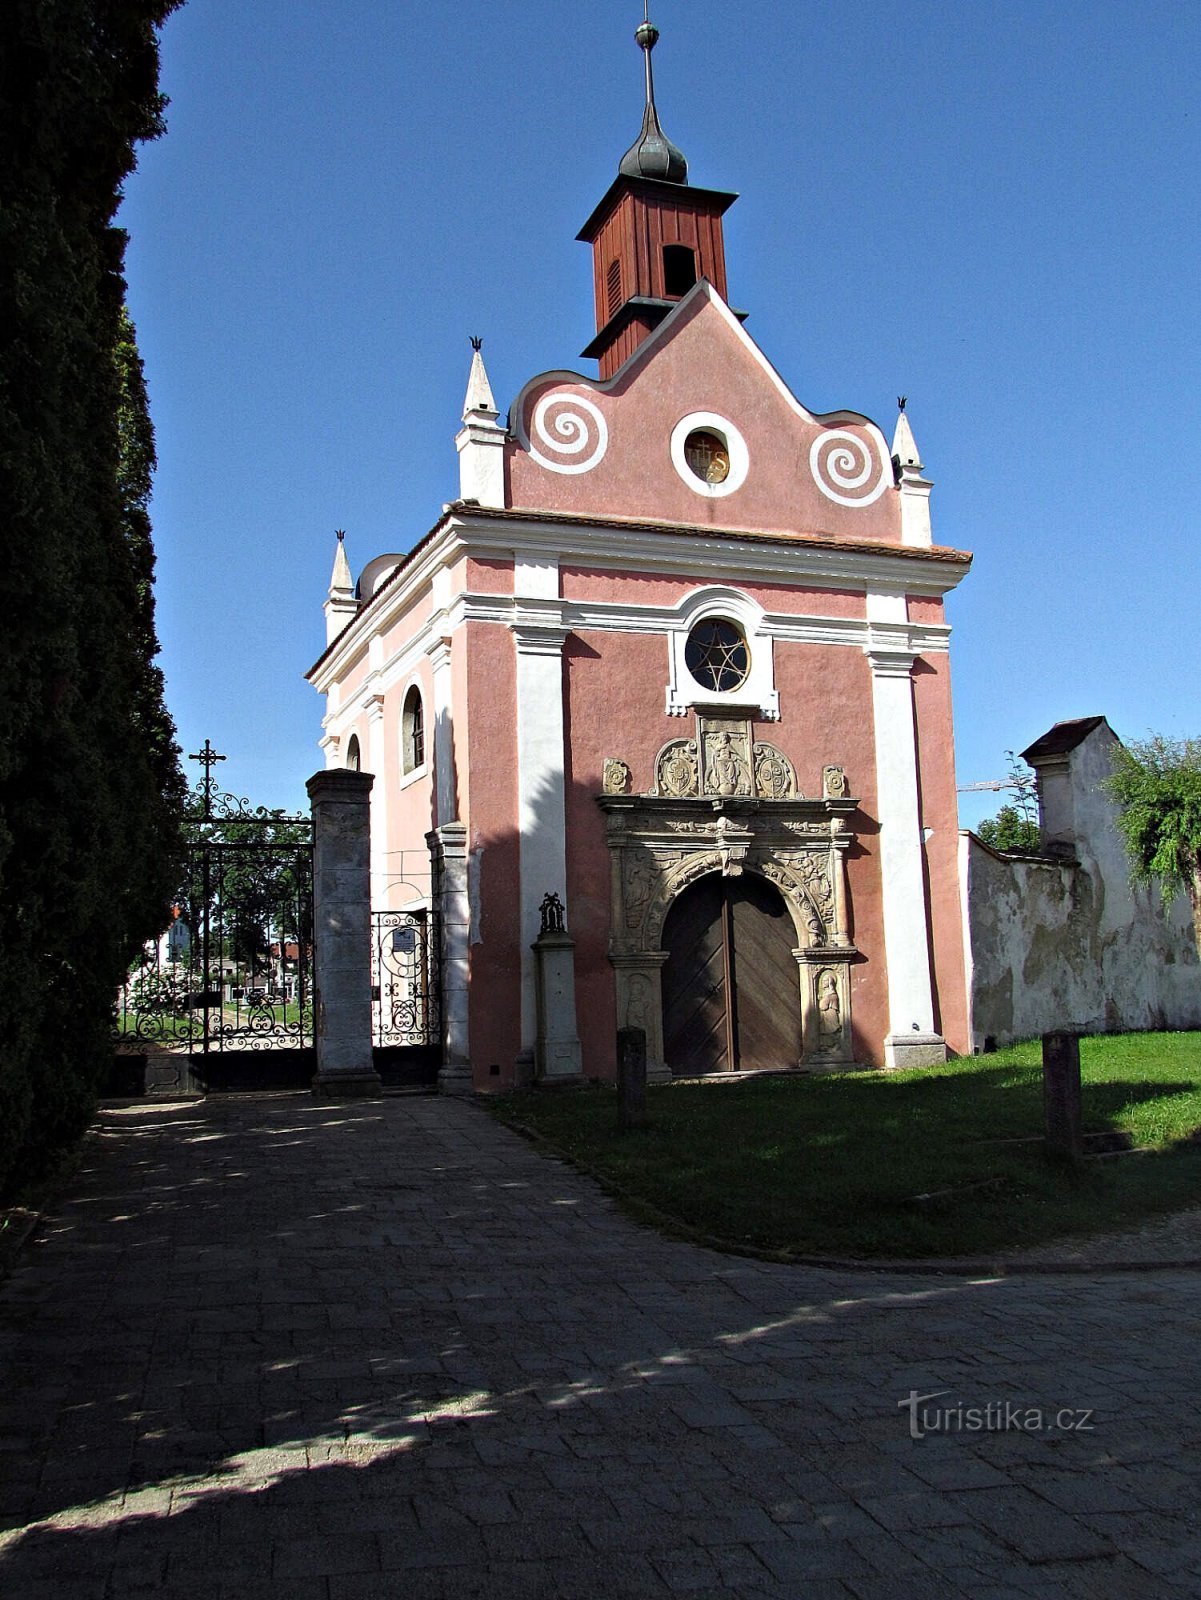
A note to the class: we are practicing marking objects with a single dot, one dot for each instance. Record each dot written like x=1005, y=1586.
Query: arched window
x=412, y=732
x=679, y=269
x=353, y=759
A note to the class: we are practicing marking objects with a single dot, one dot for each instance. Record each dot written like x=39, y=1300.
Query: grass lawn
x=833, y=1165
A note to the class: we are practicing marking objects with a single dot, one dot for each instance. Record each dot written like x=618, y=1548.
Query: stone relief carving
x=616, y=777
x=723, y=761
x=638, y=1002
x=676, y=770
x=834, y=783
x=641, y=874
x=774, y=775
x=813, y=873
x=726, y=761
x=829, y=1011
x=789, y=882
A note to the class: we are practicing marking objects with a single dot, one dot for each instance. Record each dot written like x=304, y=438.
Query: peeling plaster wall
x=1063, y=944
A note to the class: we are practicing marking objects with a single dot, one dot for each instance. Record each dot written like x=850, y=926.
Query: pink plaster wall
x=925, y=608
x=625, y=588
x=488, y=780
x=940, y=813
x=410, y=813
x=826, y=706
x=353, y=679
x=489, y=577
x=415, y=615
x=700, y=363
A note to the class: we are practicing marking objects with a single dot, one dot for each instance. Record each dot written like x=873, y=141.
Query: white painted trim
x=573, y=429
x=541, y=798
x=902, y=865
x=599, y=616
x=965, y=913
x=684, y=693
x=735, y=444
x=378, y=818
x=637, y=549
x=439, y=652
x=849, y=448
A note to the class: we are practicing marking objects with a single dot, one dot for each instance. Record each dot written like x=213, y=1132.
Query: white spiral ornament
x=847, y=468
x=567, y=426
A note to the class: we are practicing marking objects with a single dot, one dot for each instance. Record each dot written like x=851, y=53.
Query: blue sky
x=991, y=209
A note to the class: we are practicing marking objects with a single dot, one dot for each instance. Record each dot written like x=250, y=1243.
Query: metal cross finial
x=208, y=757
x=901, y=401
x=477, y=342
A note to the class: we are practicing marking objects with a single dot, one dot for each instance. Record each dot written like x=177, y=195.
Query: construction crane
x=990, y=783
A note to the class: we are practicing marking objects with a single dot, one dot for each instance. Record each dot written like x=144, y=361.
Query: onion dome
x=652, y=155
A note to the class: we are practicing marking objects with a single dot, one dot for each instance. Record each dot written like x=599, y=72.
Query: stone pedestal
x=557, y=1057
x=341, y=802
x=1061, y=1095
x=448, y=852
x=631, y=1078
x=915, y=1049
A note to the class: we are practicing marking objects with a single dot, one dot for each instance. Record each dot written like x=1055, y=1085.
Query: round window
x=707, y=455
x=716, y=654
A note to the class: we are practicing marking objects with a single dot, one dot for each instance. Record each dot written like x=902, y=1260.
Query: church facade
x=677, y=658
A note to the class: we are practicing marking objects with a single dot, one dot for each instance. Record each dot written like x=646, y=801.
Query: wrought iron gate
x=234, y=973
x=405, y=987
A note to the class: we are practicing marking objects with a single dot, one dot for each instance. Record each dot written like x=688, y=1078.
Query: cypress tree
x=89, y=776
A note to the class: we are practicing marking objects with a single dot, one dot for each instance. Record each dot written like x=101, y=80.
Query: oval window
x=707, y=455
x=716, y=654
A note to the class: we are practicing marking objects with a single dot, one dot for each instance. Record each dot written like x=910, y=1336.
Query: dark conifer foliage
x=90, y=788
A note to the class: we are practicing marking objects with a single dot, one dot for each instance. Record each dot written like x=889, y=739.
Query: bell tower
x=652, y=235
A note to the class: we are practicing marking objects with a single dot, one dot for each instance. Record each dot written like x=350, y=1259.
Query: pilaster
x=445, y=809
x=448, y=854
x=912, y=1038
x=342, y=934
x=539, y=636
x=375, y=761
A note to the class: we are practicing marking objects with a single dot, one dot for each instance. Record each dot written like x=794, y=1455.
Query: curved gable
x=616, y=448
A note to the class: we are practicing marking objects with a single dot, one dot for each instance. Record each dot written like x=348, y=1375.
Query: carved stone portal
x=723, y=803
x=725, y=761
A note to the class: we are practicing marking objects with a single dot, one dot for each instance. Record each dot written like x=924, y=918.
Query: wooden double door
x=731, y=994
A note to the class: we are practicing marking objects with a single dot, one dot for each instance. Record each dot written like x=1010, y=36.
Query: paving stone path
x=265, y=1348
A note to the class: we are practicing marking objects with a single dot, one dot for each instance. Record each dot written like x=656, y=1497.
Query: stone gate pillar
x=341, y=803
x=452, y=903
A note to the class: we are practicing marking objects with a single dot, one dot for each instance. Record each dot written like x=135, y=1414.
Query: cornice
x=708, y=555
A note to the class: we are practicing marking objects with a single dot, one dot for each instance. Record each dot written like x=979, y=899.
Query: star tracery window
x=716, y=654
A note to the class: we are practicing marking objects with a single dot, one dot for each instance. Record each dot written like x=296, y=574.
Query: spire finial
x=904, y=446
x=479, y=401
x=341, y=583
x=652, y=155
